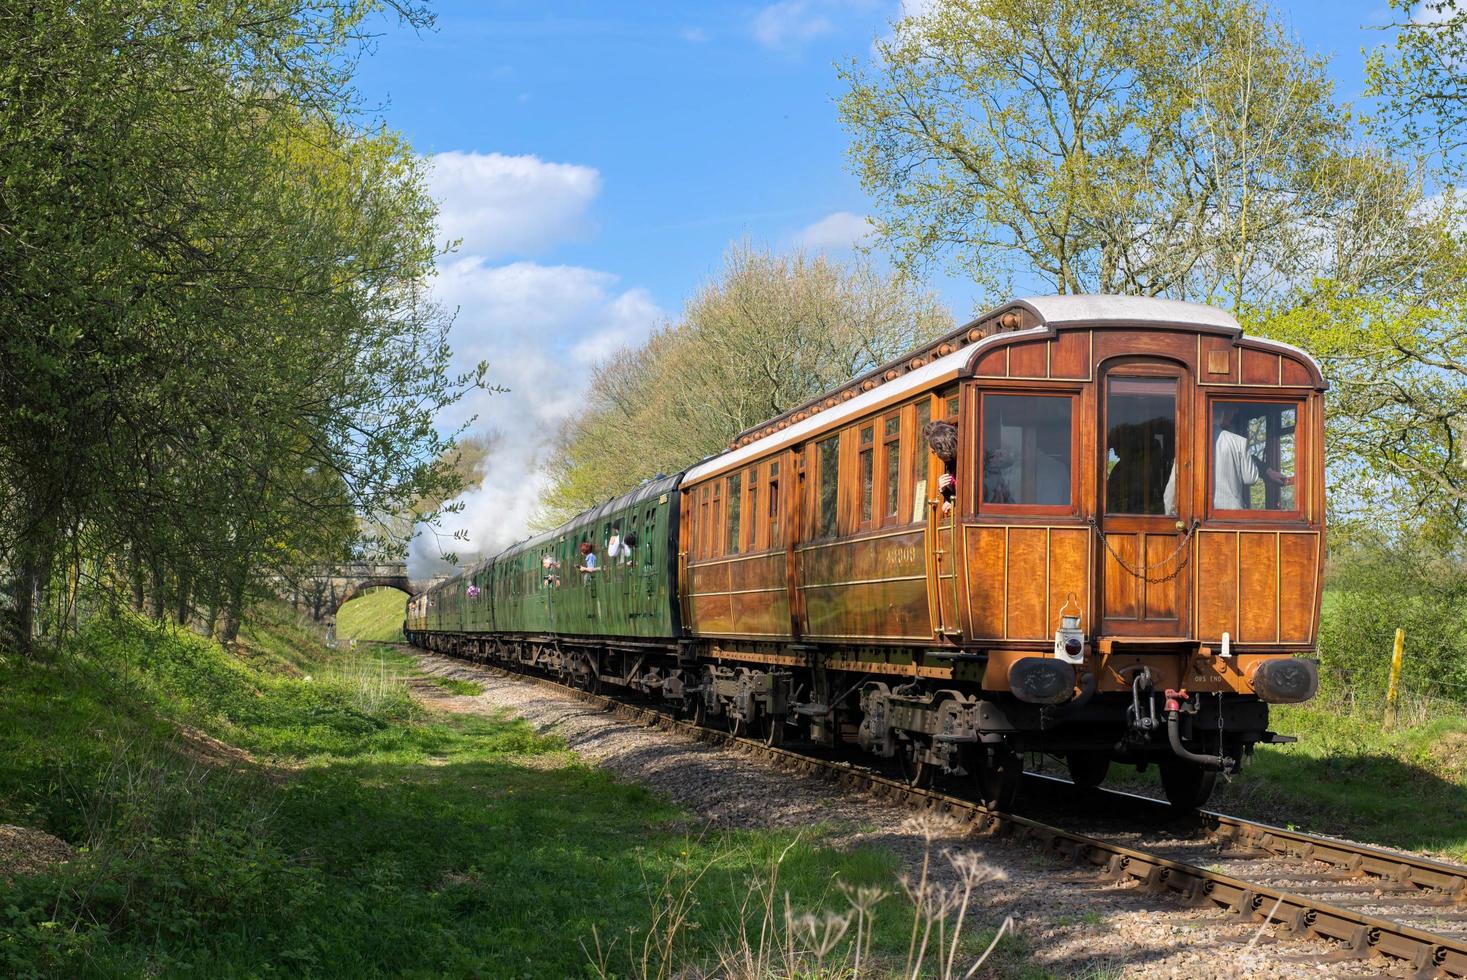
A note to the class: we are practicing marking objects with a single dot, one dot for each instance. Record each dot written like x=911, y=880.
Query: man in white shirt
x=1234, y=468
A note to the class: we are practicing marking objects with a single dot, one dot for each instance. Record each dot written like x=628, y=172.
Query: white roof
x=1052, y=311
x=926, y=375
x=1080, y=309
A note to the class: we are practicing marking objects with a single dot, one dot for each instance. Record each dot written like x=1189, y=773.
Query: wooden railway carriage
x=1126, y=569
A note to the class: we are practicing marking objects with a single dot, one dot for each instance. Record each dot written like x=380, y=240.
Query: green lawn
x=290, y=810
x=375, y=615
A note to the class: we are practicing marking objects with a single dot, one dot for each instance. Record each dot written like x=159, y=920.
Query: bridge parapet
x=324, y=589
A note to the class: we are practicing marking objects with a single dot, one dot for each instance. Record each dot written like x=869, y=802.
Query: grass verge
x=289, y=810
x=1351, y=776
x=373, y=616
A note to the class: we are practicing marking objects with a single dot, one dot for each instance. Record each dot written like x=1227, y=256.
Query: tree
x=219, y=350
x=1047, y=138
x=768, y=333
x=1420, y=80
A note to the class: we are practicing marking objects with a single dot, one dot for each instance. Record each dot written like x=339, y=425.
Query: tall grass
x=767, y=936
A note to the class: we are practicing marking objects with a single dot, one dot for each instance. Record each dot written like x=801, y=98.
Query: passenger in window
x=550, y=570
x=588, y=558
x=942, y=439
x=616, y=545
x=1234, y=468
x=628, y=544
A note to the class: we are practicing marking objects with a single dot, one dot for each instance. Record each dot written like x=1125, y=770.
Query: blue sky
x=598, y=158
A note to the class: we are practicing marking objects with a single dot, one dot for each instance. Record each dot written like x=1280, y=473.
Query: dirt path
x=1076, y=922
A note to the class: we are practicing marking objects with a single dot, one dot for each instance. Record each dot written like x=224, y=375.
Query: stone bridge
x=325, y=589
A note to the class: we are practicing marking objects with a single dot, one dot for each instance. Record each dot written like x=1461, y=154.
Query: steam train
x=1113, y=556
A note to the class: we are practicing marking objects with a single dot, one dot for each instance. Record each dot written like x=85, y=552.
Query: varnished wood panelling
x=1219, y=360
x=1028, y=560
x=1297, y=557
x=1163, y=599
x=986, y=581
x=994, y=363
x=1069, y=572
x=1122, y=589
x=1258, y=565
x=871, y=587
x=1069, y=355
x=1296, y=373
x=1217, y=584
x=1260, y=367
x=1029, y=360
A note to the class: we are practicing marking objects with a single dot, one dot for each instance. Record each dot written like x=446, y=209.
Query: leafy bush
x=1377, y=584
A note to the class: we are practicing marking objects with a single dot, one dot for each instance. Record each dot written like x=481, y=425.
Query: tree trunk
x=34, y=568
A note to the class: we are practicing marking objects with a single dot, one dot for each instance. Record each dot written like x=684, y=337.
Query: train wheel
x=1187, y=786
x=695, y=709
x=1088, y=767
x=917, y=771
x=997, y=774
x=773, y=730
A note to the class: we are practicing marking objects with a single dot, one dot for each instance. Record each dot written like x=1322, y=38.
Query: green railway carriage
x=533, y=602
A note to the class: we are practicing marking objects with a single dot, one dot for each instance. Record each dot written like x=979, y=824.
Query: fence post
x=1394, y=690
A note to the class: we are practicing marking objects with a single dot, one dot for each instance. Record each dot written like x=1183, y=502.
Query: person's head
x=616, y=529
x=1230, y=417
x=586, y=547
x=942, y=439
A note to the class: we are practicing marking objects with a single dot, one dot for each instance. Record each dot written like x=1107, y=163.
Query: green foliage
x=1379, y=583
x=1032, y=137
x=220, y=355
x=768, y=333
x=351, y=842
x=1420, y=81
x=377, y=615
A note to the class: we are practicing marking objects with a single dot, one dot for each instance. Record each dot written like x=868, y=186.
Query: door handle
x=1181, y=526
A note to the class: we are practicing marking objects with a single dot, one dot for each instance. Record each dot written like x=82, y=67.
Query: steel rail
x=1395, y=867
x=1358, y=935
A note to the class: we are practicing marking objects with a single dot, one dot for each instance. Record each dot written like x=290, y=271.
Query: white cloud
x=542, y=328
x=694, y=35
x=834, y=232
x=790, y=23
x=511, y=205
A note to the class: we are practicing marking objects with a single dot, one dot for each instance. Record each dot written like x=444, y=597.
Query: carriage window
x=774, y=505
x=1026, y=449
x=919, y=462
x=735, y=511
x=828, y=456
x=704, y=522
x=1141, y=446
x=1253, y=456
x=868, y=471
x=717, y=527
x=892, y=447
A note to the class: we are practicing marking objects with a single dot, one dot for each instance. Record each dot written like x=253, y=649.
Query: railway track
x=1364, y=901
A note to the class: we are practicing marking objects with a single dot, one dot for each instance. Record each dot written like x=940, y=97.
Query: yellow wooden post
x=1394, y=690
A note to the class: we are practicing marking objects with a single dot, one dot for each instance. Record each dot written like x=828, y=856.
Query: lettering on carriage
x=898, y=558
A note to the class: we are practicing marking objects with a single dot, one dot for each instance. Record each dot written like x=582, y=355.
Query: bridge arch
x=325, y=589
x=401, y=584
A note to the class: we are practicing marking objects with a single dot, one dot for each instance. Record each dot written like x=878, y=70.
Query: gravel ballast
x=1075, y=921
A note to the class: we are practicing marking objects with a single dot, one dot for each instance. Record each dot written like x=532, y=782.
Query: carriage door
x=1146, y=499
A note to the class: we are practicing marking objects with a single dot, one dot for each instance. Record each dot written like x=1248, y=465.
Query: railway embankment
x=293, y=809
x=286, y=809
x=1073, y=921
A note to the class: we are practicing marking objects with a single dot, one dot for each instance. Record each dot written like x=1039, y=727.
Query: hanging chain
x=1181, y=546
